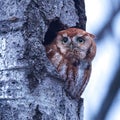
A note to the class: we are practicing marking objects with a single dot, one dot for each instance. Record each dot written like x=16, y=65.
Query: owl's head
x=76, y=45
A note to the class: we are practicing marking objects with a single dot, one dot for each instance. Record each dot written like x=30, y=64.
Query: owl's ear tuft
x=55, y=25
x=91, y=35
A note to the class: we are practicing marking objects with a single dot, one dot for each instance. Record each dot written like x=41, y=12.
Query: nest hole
x=54, y=26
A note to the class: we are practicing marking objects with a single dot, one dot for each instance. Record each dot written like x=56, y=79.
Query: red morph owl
x=72, y=52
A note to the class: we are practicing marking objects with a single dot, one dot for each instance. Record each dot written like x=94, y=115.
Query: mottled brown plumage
x=72, y=52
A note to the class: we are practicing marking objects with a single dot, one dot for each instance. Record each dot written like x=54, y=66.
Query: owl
x=72, y=52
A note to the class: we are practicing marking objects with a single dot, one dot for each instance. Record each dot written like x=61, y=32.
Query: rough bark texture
x=30, y=87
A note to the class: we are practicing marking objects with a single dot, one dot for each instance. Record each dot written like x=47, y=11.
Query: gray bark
x=30, y=87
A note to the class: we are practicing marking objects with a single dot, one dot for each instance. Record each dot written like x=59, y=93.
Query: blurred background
x=102, y=94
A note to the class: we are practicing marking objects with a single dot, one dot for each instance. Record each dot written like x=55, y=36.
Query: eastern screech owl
x=72, y=52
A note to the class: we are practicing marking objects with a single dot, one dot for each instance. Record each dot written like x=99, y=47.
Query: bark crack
x=38, y=114
x=80, y=10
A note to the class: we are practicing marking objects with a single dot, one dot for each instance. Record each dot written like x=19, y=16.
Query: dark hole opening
x=54, y=26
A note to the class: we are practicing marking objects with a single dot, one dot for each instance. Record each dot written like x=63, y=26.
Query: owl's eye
x=65, y=40
x=80, y=40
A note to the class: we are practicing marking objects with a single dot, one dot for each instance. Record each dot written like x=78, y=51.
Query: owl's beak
x=71, y=46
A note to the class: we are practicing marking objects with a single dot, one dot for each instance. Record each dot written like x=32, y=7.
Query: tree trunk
x=30, y=87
